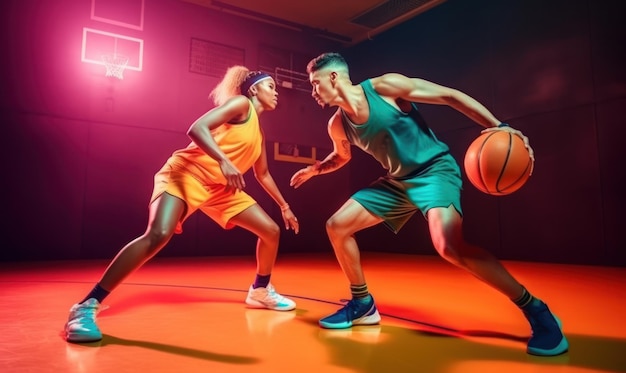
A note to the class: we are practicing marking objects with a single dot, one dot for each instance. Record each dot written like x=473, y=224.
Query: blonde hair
x=230, y=84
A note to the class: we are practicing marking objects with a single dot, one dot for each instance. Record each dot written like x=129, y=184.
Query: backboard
x=97, y=44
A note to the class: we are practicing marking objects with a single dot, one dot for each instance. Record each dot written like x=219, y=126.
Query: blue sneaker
x=547, y=338
x=81, y=324
x=354, y=312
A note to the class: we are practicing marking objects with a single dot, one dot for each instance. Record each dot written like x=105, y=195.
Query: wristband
x=284, y=207
x=502, y=125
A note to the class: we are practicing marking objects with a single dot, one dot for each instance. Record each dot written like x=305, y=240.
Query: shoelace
x=273, y=295
x=86, y=312
x=90, y=311
x=350, y=306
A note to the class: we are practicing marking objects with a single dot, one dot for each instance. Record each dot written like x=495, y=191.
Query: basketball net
x=115, y=65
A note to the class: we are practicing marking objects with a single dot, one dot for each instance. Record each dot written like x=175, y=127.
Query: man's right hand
x=302, y=176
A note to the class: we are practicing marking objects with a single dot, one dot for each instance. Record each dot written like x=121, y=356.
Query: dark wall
x=80, y=150
x=554, y=70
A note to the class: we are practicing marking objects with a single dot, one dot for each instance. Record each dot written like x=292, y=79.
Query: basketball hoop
x=115, y=65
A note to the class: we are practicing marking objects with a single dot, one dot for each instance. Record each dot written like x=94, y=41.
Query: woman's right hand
x=234, y=178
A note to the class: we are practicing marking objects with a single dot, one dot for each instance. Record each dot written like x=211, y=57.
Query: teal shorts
x=395, y=200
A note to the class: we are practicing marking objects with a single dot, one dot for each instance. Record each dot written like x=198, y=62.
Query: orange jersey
x=240, y=142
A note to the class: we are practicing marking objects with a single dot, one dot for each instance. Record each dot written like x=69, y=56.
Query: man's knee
x=450, y=254
x=335, y=225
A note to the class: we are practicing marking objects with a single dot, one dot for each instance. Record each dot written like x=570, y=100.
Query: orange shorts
x=213, y=200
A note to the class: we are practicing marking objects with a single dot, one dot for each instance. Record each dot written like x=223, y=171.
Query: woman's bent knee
x=274, y=231
x=270, y=232
x=159, y=237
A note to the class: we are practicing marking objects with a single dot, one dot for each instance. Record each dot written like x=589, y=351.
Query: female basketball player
x=207, y=175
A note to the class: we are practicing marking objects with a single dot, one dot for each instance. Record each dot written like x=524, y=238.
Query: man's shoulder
x=387, y=78
x=389, y=84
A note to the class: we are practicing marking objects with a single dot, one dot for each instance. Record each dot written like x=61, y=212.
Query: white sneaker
x=268, y=298
x=81, y=325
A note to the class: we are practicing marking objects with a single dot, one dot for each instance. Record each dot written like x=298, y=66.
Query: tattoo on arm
x=335, y=159
x=345, y=147
x=329, y=164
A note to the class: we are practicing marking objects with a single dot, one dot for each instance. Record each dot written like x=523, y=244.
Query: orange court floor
x=189, y=315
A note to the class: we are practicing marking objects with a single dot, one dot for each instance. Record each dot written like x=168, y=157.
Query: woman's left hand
x=291, y=222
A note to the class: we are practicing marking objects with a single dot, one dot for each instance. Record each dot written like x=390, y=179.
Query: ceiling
x=345, y=21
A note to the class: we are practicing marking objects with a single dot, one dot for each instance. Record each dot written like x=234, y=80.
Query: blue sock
x=98, y=293
x=261, y=281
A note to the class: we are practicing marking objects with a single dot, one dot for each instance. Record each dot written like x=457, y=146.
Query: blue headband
x=249, y=82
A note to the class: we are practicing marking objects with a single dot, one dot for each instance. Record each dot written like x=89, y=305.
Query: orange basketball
x=498, y=163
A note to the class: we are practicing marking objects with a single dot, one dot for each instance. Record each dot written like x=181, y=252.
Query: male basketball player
x=380, y=117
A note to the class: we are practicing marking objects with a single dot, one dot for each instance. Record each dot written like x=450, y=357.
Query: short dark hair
x=326, y=59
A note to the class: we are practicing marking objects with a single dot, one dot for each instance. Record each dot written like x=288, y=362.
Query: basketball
x=498, y=163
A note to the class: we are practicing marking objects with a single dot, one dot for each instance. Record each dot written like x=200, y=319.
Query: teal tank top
x=401, y=142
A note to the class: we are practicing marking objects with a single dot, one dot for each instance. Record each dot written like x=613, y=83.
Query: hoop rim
x=115, y=64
